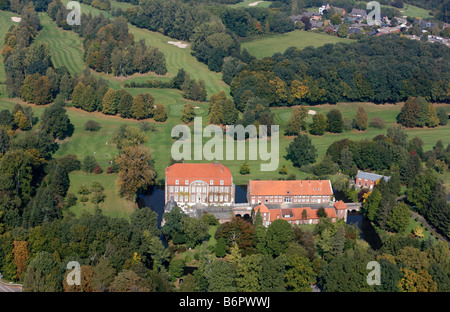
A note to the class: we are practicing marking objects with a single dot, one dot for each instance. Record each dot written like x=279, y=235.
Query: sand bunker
x=178, y=44
x=255, y=3
x=16, y=19
x=311, y=112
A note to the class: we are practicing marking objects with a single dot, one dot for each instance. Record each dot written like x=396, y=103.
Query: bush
x=92, y=125
x=98, y=169
x=377, y=122
x=84, y=199
x=84, y=190
x=110, y=170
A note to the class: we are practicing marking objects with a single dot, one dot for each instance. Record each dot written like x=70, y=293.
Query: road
x=5, y=287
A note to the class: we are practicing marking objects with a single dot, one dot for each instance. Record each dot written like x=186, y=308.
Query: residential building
x=209, y=184
x=325, y=6
x=299, y=215
x=358, y=13
x=368, y=180
x=289, y=191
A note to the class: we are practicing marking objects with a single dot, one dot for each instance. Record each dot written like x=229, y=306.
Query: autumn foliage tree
x=20, y=251
x=136, y=170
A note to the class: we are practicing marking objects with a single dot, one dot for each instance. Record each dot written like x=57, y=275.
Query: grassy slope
x=176, y=58
x=269, y=45
x=245, y=4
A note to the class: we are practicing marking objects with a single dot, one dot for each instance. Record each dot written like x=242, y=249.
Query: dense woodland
x=376, y=69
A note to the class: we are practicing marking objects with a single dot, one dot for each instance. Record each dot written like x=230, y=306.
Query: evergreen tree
x=60, y=181
x=109, y=102
x=335, y=121
x=125, y=104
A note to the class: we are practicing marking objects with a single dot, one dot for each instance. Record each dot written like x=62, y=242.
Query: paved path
x=422, y=220
x=6, y=287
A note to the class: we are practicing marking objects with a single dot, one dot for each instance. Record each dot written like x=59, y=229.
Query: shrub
x=92, y=125
x=377, y=122
x=98, y=169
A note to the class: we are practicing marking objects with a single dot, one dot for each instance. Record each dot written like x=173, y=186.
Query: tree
x=335, y=121
x=442, y=115
x=127, y=281
x=220, y=249
x=300, y=274
x=278, y=236
x=145, y=219
x=109, y=102
x=41, y=274
x=142, y=106
x=60, y=181
x=5, y=141
x=296, y=121
x=409, y=113
x=244, y=168
x=21, y=121
x=398, y=219
x=77, y=95
x=336, y=19
x=176, y=268
x=301, y=151
x=136, y=170
x=20, y=252
x=319, y=124
x=92, y=125
x=372, y=204
x=56, y=122
x=361, y=119
x=160, y=113
x=188, y=113
x=221, y=277
x=42, y=93
x=343, y=31
x=89, y=163
x=125, y=103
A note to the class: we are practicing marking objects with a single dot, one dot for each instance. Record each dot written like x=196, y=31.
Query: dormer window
x=177, y=182
x=211, y=182
x=186, y=182
x=221, y=182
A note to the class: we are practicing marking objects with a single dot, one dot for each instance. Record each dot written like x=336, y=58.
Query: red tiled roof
x=291, y=187
x=295, y=213
x=340, y=205
x=198, y=171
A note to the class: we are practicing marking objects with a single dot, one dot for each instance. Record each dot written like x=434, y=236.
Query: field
x=67, y=50
x=246, y=4
x=269, y=45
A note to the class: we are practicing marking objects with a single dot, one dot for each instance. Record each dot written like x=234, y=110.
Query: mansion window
x=287, y=200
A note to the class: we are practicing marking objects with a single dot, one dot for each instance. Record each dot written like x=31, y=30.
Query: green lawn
x=269, y=45
x=246, y=4
x=113, y=206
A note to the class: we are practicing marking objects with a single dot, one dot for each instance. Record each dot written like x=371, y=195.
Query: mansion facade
x=208, y=184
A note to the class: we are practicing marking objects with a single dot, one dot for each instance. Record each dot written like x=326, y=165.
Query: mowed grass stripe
x=66, y=46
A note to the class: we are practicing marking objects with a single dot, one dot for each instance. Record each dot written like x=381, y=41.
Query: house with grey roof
x=368, y=180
